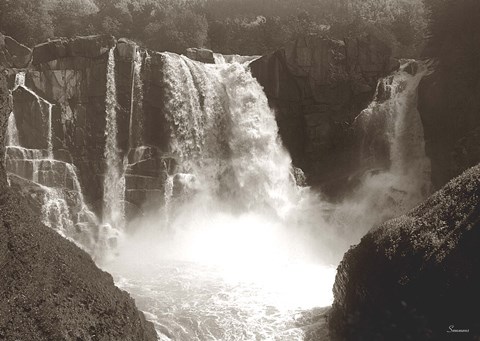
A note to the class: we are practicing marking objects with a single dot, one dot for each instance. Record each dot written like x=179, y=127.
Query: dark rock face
x=71, y=74
x=317, y=87
x=52, y=290
x=13, y=54
x=5, y=109
x=416, y=275
x=49, y=288
x=449, y=104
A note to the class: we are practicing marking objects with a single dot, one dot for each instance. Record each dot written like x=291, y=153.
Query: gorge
x=184, y=178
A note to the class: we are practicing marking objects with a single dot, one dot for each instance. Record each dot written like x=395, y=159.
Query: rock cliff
x=49, y=288
x=449, y=104
x=71, y=75
x=317, y=87
x=5, y=109
x=415, y=277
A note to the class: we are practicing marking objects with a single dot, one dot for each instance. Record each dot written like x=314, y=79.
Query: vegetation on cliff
x=227, y=26
x=52, y=290
x=416, y=276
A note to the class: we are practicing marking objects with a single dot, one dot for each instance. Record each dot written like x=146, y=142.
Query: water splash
x=114, y=182
x=233, y=58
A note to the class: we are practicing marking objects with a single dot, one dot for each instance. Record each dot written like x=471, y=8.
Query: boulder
x=87, y=47
x=126, y=49
x=13, y=54
x=415, y=277
x=201, y=55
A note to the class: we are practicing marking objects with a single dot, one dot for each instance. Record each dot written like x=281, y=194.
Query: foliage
x=228, y=26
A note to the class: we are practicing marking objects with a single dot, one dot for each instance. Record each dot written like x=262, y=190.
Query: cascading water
x=114, y=182
x=56, y=185
x=12, y=131
x=226, y=257
x=50, y=130
x=405, y=182
x=136, y=110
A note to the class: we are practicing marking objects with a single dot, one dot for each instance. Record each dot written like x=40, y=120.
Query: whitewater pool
x=188, y=301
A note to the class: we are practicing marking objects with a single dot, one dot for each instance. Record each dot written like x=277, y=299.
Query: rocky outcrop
x=449, y=104
x=201, y=55
x=317, y=87
x=52, y=290
x=415, y=277
x=49, y=288
x=13, y=54
x=5, y=109
x=71, y=75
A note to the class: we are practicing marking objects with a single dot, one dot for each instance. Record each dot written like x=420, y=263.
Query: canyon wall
x=416, y=276
x=317, y=86
x=71, y=74
x=449, y=104
x=49, y=288
x=5, y=109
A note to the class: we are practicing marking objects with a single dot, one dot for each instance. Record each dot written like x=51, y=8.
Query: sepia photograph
x=239, y=170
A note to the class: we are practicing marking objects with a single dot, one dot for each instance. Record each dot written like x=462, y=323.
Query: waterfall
x=224, y=132
x=55, y=186
x=12, y=131
x=393, y=132
x=233, y=58
x=114, y=182
x=49, y=134
x=136, y=110
x=59, y=194
x=396, y=104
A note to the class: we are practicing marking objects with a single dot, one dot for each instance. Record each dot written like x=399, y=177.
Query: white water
x=239, y=252
x=387, y=193
x=114, y=181
x=136, y=110
x=59, y=193
x=50, y=131
x=12, y=131
x=230, y=257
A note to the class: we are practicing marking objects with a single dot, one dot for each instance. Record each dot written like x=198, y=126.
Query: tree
x=28, y=21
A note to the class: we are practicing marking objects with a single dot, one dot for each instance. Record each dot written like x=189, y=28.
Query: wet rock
x=126, y=49
x=415, y=276
x=87, y=47
x=5, y=110
x=201, y=55
x=317, y=87
x=13, y=53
